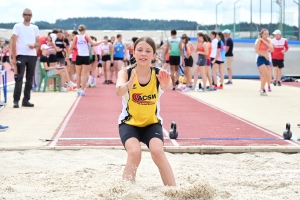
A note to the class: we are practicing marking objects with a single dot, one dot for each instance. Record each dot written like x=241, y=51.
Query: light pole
x=234, y=19
x=271, y=13
x=75, y=26
x=250, y=18
x=298, y=17
x=279, y=3
x=217, y=14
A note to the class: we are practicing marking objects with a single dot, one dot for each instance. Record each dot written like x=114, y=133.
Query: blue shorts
x=51, y=72
x=262, y=61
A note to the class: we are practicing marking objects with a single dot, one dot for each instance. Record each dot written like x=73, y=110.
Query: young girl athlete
x=141, y=87
x=262, y=48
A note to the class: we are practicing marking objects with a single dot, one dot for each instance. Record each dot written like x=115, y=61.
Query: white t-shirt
x=214, y=49
x=270, y=55
x=26, y=36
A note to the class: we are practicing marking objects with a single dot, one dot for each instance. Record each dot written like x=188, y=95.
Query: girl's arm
x=112, y=52
x=71, y=48
x=46, y=67
x=257, y=45
x=122, y=85
x=191, y=46
x=188, y=50
x=218, y=54
x=57, y=49
x=125, y=52
x=205, y=46
x=92, y=42
x=95, y=53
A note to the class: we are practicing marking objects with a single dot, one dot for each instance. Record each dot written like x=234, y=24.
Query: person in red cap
x=280, y=47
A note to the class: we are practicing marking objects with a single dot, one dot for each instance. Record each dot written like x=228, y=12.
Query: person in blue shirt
x=120, y=52
x=219, y=60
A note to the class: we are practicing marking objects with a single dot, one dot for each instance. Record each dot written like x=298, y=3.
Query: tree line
x=109, y=23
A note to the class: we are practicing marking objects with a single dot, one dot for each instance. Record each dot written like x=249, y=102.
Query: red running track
x=93, y=121
x=295, y=84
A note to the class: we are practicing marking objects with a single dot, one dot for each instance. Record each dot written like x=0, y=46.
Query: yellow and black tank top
x=141, y=105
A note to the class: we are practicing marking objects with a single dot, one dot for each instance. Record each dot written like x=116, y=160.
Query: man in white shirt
x=25, y=44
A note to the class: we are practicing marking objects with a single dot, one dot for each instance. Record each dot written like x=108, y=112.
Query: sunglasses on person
x=29, y=15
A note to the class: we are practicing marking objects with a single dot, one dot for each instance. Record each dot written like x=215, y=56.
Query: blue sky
x=201, y=11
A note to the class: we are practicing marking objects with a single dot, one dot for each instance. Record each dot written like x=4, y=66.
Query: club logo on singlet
x=141, y=99
x=134, y=86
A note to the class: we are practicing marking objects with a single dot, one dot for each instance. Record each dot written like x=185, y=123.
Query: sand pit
x=96, y=174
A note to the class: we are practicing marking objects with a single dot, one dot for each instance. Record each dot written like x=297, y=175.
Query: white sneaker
x=201, y=90
x=187, y=89
x=263, y=93
x=71, y=84
x=63, y=89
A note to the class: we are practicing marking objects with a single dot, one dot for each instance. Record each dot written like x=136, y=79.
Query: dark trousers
x=24, y=63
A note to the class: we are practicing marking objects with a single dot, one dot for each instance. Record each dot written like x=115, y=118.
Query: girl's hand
x=163, y=77
x=131, y=80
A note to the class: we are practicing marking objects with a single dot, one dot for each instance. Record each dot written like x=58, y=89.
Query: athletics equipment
x=173, y=133
x=287, y=134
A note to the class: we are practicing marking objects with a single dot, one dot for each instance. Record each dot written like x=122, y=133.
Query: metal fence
x=270, y=14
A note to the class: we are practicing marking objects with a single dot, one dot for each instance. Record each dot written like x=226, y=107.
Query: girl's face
x=183, y=41
x=45, y=51
x=218, y=37
x=212, y=36
x=49, y=39
x=112, y=39
x=200, y=38
x=143, y=54
x=265, y=35
x=120, y=39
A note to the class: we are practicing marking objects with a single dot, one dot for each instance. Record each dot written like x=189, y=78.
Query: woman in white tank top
x=83, y=58
x=106, y=52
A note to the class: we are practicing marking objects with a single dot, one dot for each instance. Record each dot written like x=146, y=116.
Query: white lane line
x=172, y=140
x=63, y=126
x=106, y=139
x=238, y=118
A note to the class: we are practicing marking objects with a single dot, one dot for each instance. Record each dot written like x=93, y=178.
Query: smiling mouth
x=143, y=59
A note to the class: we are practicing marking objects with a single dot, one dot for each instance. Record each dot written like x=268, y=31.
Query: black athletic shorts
x=142, y=134
x=93, y=58
x=116, y=58
x=83, y=60
x=106, y=58
x=188, y=62
x=61, y=61
x=71, y=61
x=52, y=58
x=278, y=63
x=174, y=60
x=219, y=62
x=5, y=59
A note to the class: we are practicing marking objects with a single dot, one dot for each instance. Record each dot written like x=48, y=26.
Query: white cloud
x=193, y=10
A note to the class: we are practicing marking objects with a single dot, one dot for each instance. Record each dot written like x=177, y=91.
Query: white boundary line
x=63, y=126
x=167, y=135
x=238, y=118
x=79, y=139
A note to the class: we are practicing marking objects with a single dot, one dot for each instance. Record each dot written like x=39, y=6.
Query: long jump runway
x=93, y=121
